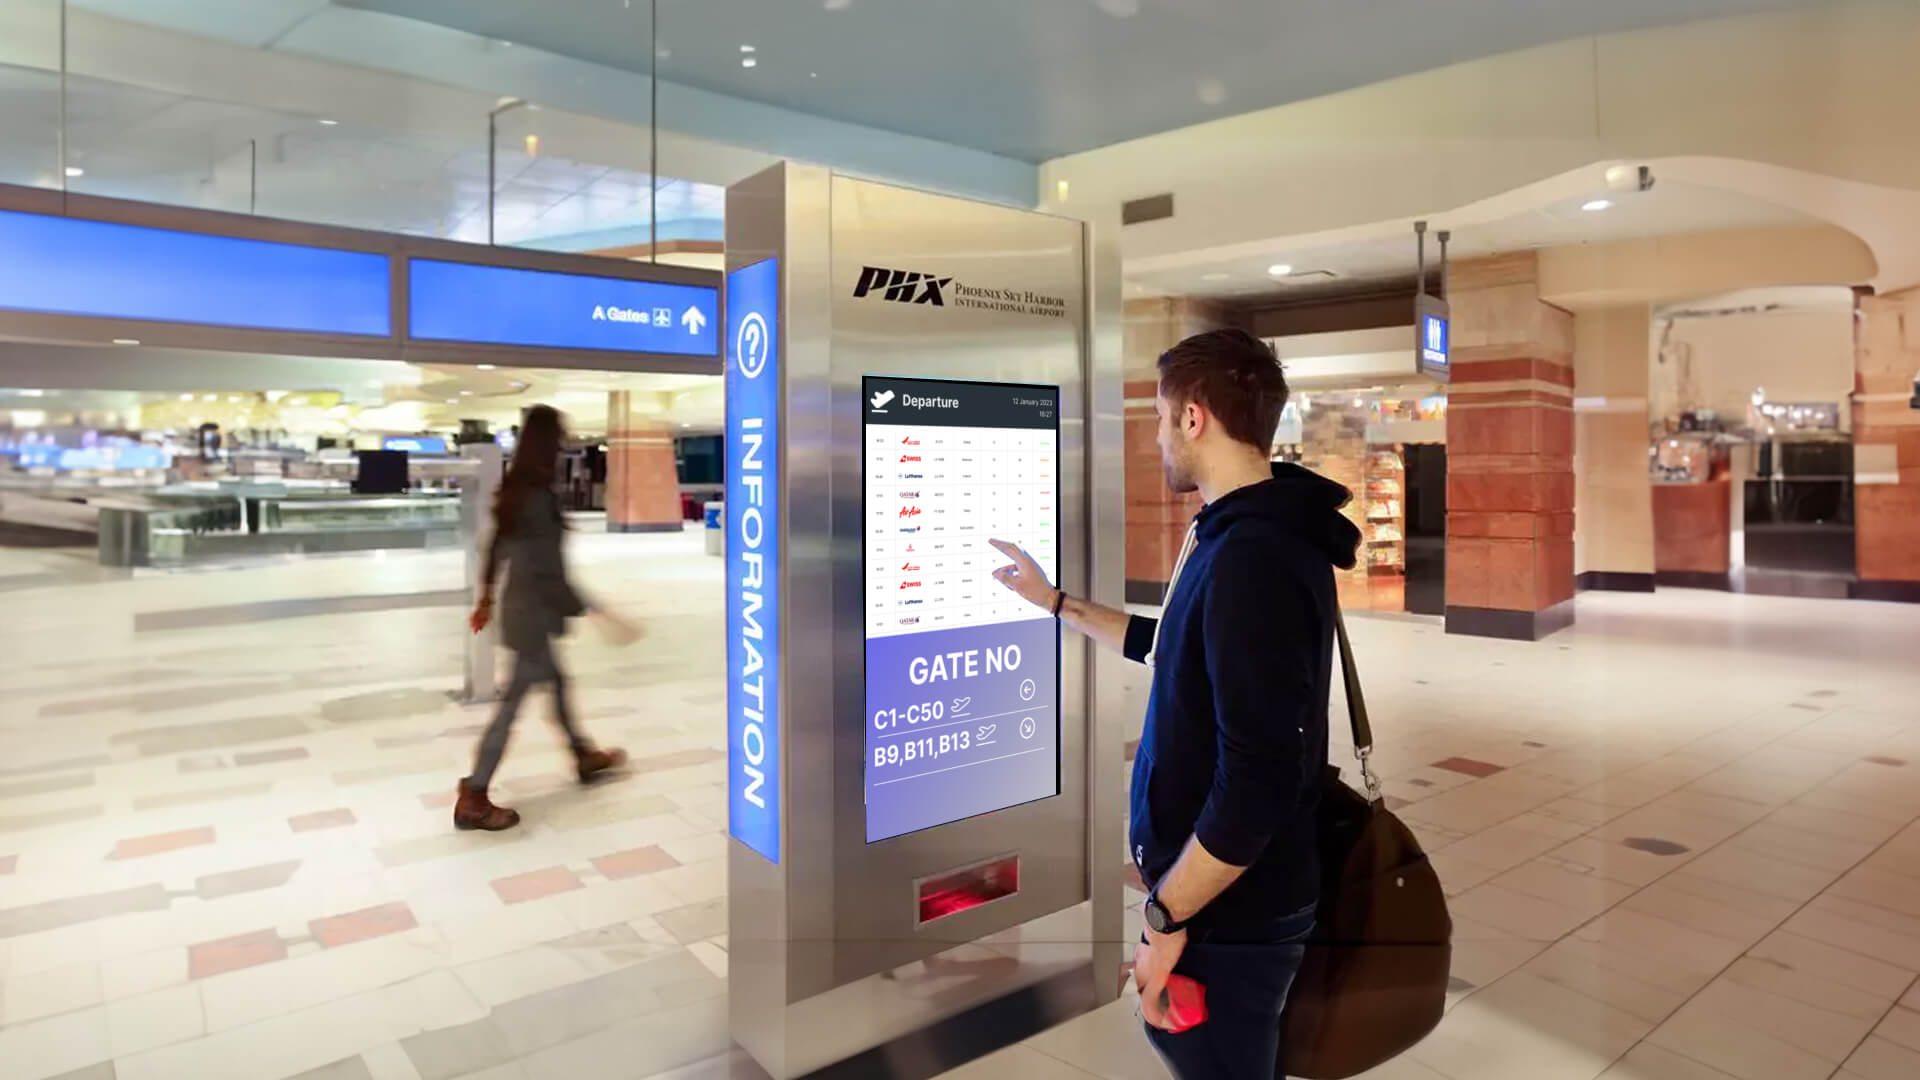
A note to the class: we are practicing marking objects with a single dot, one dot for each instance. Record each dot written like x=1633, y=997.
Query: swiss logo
x=902, y=286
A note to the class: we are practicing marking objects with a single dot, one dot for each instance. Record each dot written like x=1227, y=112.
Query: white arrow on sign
x=693, y=320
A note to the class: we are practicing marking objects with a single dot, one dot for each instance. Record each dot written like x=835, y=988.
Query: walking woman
x=527, y=534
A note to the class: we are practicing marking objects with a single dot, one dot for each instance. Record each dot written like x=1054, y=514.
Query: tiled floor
x=1682, y=840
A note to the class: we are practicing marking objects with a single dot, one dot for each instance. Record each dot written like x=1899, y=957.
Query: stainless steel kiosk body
x=900, y=946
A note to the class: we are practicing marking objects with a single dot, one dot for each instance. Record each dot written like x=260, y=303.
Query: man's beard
x=1179, y=481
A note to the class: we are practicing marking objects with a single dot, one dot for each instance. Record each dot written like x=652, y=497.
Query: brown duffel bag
x=1374, y=981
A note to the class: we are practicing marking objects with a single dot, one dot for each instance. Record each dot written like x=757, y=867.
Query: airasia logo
x=909, y=511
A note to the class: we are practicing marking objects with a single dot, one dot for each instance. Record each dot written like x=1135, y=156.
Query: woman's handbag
x=1374, y=981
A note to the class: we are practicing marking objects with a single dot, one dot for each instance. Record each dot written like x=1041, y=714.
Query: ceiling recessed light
x=837, y=5
x=186, y=397
x=746, y=48
x=330, y=123
x=813, y=74
x=453, y=401
x=1215, y=276
x=486, y=367
x=748, y=61
x=126, y=341
x=466, y=393
x=1280, y=269
x=1592, y=205
x=75, y=170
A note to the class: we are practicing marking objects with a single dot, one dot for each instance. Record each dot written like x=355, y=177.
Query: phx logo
x=902, y=286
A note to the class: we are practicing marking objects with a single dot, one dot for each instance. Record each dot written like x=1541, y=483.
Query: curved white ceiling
x=1036, y=79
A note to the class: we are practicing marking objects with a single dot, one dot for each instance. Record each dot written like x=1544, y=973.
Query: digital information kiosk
x=923, y=771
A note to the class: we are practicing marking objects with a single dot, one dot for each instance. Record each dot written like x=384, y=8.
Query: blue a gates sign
x=753, y=557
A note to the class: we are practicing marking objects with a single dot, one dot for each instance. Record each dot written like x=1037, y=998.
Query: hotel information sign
x=962, y=676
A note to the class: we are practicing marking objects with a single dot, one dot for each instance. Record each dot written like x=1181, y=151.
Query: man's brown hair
x=1235, y=376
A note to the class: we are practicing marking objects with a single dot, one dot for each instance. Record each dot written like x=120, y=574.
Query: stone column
x=1509, y=454
x=1886, y=437
x=643, y=483
x=1156, y=518
x=1613, y=490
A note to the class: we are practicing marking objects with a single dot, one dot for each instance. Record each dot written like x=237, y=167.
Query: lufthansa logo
x=751, y=344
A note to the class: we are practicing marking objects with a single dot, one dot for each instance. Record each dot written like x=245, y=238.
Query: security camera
x=1630, y=178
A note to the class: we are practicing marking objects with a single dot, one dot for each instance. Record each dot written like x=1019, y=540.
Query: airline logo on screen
x=754, y=526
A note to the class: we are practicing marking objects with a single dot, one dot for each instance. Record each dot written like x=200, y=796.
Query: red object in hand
x=1185, y=1003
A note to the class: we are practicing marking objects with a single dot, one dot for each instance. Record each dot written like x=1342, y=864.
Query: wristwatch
x=1159, y=919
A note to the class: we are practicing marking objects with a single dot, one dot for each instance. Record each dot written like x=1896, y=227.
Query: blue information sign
x=71, y=266
x=499, y=305
x=754, y=529
x=415, y=444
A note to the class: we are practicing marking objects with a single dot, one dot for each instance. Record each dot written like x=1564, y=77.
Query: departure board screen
x=962, y=676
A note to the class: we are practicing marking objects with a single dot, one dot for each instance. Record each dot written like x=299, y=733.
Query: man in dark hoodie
x=1227, y=780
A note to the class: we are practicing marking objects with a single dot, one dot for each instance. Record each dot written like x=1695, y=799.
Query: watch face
x=1157, y=916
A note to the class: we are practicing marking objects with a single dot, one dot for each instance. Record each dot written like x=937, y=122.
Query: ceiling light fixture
x=329, y=123
x=486, y=367
x=1215, y=276
x=1280, y=269
x=837, y=5
x=76, y=171
x=126, y=341
x=746, y=48
x=1593, y=205
x=748, y=61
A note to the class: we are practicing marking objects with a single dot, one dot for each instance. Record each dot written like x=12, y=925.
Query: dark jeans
x=530, y=668
x=1247, y=976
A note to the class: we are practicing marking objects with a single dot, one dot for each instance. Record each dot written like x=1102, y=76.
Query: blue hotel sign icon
x=1434, y=360
x=754, y=528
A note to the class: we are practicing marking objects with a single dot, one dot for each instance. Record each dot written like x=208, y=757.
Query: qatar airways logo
x=909, y=494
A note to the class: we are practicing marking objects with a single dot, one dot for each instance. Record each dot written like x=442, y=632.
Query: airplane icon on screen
x=881, y=399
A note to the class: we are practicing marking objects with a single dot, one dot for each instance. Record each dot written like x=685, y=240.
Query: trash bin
x=716, y=513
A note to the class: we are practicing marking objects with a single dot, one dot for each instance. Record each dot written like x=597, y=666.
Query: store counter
x=174, y=528
x=1693, y=533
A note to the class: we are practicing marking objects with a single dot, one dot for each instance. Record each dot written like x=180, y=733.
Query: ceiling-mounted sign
x=1433, y=331
x=500, y=305
x=71, y=266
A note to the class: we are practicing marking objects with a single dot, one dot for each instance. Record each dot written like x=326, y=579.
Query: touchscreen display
x=962, y=676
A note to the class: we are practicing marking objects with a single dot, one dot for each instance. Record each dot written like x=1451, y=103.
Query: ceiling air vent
x=1151, y=208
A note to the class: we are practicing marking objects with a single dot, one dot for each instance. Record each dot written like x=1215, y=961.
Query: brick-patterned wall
x=643, y=484
x=1510, y=477
x=1157, y=519
x=1887, y=516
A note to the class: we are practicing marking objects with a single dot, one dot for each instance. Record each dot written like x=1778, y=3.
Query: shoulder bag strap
x=1356, y=706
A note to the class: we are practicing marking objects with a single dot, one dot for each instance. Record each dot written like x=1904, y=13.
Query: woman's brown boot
x=473, y=810
x=596, y=764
